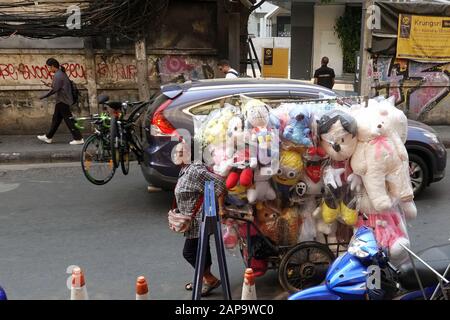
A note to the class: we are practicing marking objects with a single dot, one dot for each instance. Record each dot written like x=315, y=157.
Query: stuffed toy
x=297, y=130
x=288, y=175
x=338, y=136
x=267, y=220
x=289, y=225
x=237, y=195
x=389, y=227
x=262, y=189
x=240, y=172
x=216, y=155
x=309, y=190
x=237, y=155
x=258, y=122
x=397, y=119
x=236, y=137
x=380, y=159
x=215, y=127
x=280, y=226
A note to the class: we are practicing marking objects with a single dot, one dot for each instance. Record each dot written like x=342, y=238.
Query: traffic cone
x=78, y=290
x=141, y=288
x=248, y=288
x=2, y=294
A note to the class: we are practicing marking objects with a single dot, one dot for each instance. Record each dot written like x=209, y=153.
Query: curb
x=39, y=156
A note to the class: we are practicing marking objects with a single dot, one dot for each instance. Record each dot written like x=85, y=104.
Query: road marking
x=6, y=187
x=23, y=167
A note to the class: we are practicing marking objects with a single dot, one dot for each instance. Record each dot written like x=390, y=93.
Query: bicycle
x=96, y=159
x=123, y=136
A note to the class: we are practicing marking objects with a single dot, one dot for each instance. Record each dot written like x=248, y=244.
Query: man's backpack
x=233, y=72
x=75, y=92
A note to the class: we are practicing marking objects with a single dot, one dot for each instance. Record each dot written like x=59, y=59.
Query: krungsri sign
x=423, y=38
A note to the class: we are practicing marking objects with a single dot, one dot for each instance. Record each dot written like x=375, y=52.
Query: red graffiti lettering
x=116, y=71
x=75, y=70
x=39, y=72
x=34, y=72
x=7, y=71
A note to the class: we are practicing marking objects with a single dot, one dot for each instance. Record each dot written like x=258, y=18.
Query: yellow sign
x=423, y=38
x=275, y=62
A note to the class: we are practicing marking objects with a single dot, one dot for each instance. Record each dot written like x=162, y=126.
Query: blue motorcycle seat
x=438, y=257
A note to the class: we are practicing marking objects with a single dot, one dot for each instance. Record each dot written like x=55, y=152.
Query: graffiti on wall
x=180, y=68
x=109, y=69
x=27, y=72
x=116, y=68
x=418, y=87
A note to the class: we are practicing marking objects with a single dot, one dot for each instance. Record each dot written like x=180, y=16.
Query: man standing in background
x=324, y=76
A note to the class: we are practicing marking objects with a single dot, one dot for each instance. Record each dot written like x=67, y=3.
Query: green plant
x=348, y=30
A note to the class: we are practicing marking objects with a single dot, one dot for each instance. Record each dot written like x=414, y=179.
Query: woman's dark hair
x=54, y=63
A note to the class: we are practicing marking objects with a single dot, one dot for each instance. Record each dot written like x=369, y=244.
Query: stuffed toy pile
x=312, y=170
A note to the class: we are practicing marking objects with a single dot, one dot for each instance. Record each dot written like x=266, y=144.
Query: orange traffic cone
x=248, y=288
x=141, y=288
x=78, y=290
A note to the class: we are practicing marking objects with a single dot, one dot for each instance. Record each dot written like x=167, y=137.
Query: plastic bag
x=230, y=237
x=308, y=229
x=390, y=232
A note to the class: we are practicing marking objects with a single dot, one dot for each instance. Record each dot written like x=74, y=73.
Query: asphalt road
x=52, y=218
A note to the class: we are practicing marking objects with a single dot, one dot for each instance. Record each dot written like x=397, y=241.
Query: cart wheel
x=304, y=266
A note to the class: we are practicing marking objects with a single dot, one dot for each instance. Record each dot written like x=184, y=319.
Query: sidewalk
x=17, y=149
x=28, y=149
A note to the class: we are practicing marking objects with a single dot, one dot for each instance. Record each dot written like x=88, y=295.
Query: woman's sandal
x=207, y=288
x=189, y=286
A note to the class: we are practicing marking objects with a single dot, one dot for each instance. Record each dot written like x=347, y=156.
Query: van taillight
x=160, y=125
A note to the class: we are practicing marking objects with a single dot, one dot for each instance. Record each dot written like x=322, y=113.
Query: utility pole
x=366, y=43
x=142, y=68
x=91, y=74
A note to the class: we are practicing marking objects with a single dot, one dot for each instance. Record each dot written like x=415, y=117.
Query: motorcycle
x=364, y=272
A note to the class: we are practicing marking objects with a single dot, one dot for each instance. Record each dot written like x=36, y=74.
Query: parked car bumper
x=154, y=177
x=441, y=162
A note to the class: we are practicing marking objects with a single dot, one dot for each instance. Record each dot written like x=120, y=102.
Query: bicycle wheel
x=96, y=160
x=305, y=265
x=114, y=138
x=125, y=156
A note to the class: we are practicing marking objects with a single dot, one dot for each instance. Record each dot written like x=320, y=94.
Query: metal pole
x=255, y=54
x=440, y=284
x=426, y=264
x=251, y=60
x=417, y=276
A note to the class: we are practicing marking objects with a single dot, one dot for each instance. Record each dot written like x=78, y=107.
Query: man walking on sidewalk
x=324, y=76
x=62, y=87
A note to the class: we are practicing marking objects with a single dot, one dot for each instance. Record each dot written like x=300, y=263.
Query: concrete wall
x=185, y=48
x=422, y=90
x=21, y=72
x=273, y=42
x=326, y=43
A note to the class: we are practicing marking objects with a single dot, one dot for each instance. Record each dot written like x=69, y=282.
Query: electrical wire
x=48, y=19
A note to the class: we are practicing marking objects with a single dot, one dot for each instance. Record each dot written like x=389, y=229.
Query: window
x=272, y=99
x=283, y=26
